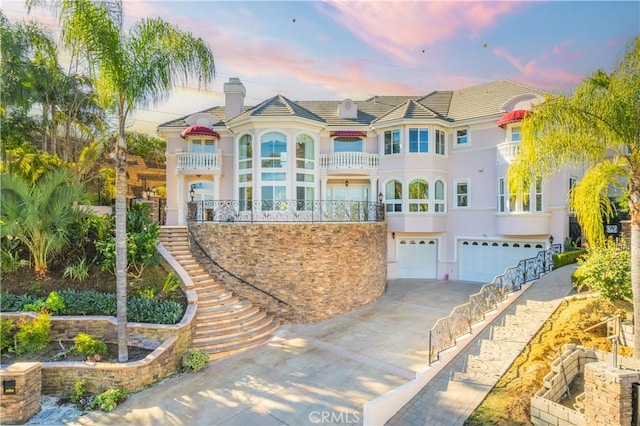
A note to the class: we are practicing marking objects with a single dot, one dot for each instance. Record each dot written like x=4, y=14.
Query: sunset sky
x=317, y=50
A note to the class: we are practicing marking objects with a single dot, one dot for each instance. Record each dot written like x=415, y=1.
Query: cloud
x=407, y=27
x=536, y=72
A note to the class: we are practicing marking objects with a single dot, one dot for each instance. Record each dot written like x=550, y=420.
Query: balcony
x=349, y=163
x=506, y=152
x=199, y=162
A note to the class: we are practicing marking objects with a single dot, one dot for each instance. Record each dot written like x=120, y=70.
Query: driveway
x=306, y=374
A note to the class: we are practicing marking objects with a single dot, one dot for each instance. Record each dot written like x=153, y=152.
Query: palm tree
x=598, y=126
x=40, y=214
x=132, y=68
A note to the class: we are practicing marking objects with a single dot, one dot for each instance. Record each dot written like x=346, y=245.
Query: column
x=181, y=201
x=373, y=190
x=323, y=189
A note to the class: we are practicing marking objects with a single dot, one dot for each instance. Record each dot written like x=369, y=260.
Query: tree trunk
x=121, y=242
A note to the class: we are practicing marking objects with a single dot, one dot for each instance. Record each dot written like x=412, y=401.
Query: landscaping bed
x=62, y=351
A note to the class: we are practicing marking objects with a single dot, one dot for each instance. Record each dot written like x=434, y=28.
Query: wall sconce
x=393, y=235
x=380, y=198
x=150, y=192
x=551, y=240
x=346, y=183
x=192, y=192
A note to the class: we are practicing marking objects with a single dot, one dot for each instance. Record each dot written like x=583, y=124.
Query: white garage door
x=417, y=258
x=482, y=261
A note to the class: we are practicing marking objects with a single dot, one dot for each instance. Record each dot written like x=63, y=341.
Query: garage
x=417, y=258
x=482, y=261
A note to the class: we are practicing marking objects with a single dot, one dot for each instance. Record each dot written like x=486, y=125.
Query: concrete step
x=496, y=350
x=226, y=346
x=213, y=296
x=211, y=332
x=227, y=313
x=251, y=318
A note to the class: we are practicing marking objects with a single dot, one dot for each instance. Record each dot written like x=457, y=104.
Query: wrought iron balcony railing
x=284, y=211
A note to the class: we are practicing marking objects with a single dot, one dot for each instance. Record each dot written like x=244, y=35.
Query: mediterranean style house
x=432, y=167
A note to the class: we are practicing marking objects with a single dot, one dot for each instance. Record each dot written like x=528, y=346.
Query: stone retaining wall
x=321, y=270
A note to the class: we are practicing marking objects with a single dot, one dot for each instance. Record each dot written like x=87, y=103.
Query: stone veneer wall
x=19, y=407
x=607, y=398
x=169, y=342
x=321, y=270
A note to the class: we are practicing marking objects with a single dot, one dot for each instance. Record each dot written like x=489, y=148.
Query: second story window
x=462, y=137
x=462, y=193
x=392, y=142
x=438, y=203
x=203, y=146
x=515, y=134
x=440, y=142
x=418, y=140
x=502, y=195
x=393, y=196
x=538, y=194
x=245, y=172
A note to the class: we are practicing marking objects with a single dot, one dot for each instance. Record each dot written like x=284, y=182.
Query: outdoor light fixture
x=393, y=235
x=192, y=192
x=380, y=198
x=550, y=239
x=346, y=183
x=149, y=192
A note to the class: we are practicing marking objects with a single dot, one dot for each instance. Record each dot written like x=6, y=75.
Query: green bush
x=108, y=400
x=567, y=258
x=88, y=345
x=606, y=268
x=78, y=271
x=53, y=304
x=6, y=335
x=171, y=285
x=195, y=359
x=33, y=335
x=91, y=302
x=79, y=391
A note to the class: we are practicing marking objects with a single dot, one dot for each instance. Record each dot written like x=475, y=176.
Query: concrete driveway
x=307, y=374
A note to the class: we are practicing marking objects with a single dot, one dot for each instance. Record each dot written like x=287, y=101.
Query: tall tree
x=132, y=68
x=598, y=126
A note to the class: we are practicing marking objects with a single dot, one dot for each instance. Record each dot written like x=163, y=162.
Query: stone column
x=181, y=201
x=607, y=390
x=21, y=389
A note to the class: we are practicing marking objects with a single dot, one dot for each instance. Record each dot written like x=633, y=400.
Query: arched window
x=393, y=196
x=245, y=172
x=273, y=174
x=418, y=196
x=439, y=206
x=305, y=172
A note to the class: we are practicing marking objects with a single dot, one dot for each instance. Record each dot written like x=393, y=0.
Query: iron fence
x=446, y=330
x=284, y=211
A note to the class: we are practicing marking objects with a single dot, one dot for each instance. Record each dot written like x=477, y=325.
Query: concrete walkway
x=457, y=390
x=316, y=373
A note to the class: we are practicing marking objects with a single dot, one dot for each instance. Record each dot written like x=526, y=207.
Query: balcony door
x=348, y=202
x=203, y=194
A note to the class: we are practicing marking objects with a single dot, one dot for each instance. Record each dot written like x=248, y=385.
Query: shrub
x=171, y=284
x=33, y=335
x=567, y=258
x=53, y=304
x=88, y=345
x=195, y=359
x=78, y=271
x=79, y=391
x=607, y=268
x=108, y=400
x=6, y=336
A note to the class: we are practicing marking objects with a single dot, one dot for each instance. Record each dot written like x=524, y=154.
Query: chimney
x=234, y=93
x=347, y=109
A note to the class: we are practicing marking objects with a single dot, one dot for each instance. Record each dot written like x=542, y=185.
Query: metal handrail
x=284, y=211
x=225, y=270
x=446, y=330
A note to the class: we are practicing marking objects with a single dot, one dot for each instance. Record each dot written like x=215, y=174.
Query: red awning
x=512, y=117
x=347, y=134
x=199, y=131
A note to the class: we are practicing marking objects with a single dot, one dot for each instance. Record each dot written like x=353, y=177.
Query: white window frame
x=502, y=194
x=459, y=137
x=439, y=204
x=392, y=134
x=419, y=141
x=244, y=173
x=457, y=194
x=440, y=140
x=308, y=162
x=418, y=205
x=391, y=204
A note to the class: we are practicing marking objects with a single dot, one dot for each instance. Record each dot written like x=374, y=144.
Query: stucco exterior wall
x=320, y=270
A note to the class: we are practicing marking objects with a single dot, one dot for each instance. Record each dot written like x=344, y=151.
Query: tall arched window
x=245, y=172
x=393, y=196
x=439, y=205
x=273, y=173
x=418, y=196
x=305, y=172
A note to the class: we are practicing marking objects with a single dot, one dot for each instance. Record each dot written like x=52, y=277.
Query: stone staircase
x=506, y=341
x=225, y=324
